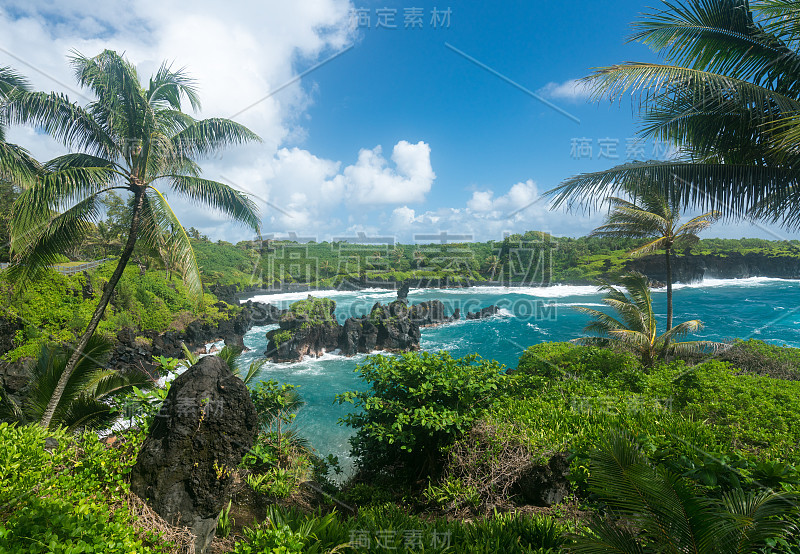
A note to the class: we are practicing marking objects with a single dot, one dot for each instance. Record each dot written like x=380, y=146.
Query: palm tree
x=636, y=327
x=655, y=510
x=652, y=215
x=131, y=138
x=492, y=264
x=17, y=167
x=87, y=400
x=727, y=98
x=326, y=267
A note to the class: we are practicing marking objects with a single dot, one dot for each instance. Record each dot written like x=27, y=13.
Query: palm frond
x=63, y=120
x=167, y=87
x=233, y=203
x=208, y=136
x=36, y=248
x=161, y=229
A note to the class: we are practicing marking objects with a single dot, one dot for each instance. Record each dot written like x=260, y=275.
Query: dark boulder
x=483, y=313
x=185, y=466
x=545, y=485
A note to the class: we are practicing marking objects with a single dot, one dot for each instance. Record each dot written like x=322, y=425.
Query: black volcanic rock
x=483, y=313
x=432, y=312
x=185, y=467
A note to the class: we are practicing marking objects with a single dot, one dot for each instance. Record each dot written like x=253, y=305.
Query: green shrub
x=418, y=405
x=563, y=360
x=62, y=495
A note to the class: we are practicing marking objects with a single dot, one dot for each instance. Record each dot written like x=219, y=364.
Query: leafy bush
x=418, y=405
x=563, y=360
x=62, y=495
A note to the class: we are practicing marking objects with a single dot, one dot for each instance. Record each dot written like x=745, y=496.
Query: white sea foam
x=749, y=282
x=331, y=293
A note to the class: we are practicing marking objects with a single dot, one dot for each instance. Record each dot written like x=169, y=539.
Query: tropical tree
x=727, y=97
x=17, y=167
x=651, y=215
x=492, y=265
x=87, y=401
x=654, y=510
x=131, y=138
x=635, y=327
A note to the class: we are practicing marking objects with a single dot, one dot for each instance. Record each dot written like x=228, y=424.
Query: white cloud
x=372, y=181
x=572, y=90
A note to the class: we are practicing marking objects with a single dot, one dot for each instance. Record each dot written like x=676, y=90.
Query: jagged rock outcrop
x=483, y=313
x=310, y=328
x=432, y=312
x=185, y=467
x=136, y=348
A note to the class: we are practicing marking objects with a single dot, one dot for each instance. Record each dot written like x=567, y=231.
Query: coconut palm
x=87, y=400
x=16, y=164
x=727, y=97
x=654, y=510
x=492, y=265
x=131, y=138
x=652, y=215
x=636, y=327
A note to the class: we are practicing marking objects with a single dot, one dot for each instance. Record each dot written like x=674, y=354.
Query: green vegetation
x=57, y=309
x=65, y=494
x=90, y=397
x=417, y=406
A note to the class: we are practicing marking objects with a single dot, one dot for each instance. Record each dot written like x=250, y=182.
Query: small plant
x=225, y=522
x=452, y=493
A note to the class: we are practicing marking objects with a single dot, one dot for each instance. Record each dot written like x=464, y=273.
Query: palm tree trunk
x=669, y=290
x=98, y=312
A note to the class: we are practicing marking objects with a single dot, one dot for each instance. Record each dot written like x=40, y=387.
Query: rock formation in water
x=185, y=467
x=483, y=313
x=310, y=328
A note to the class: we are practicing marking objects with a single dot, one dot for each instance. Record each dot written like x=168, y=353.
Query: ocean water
x=762, y=308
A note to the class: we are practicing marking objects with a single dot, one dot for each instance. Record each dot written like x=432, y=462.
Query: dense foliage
x=417, y=406
x=65, y=495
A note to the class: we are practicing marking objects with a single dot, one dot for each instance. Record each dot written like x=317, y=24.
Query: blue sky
x=399, y=134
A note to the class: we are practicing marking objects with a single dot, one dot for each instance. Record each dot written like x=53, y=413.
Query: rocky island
x=310, y=328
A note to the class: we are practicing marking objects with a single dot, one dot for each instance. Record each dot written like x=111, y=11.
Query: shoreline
x=244, y=296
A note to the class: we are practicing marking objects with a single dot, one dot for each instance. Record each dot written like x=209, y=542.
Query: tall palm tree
x=654, y=216
x=635, y=327
x=492, y=265
x=131, y=138
x=86, y=402
x=727, y=98
x=654, y=510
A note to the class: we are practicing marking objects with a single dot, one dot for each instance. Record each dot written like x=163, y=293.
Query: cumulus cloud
x=487, y=216
x=372, y=181
x=572, y=90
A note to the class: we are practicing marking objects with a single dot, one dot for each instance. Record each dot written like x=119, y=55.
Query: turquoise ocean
x=762, y=308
